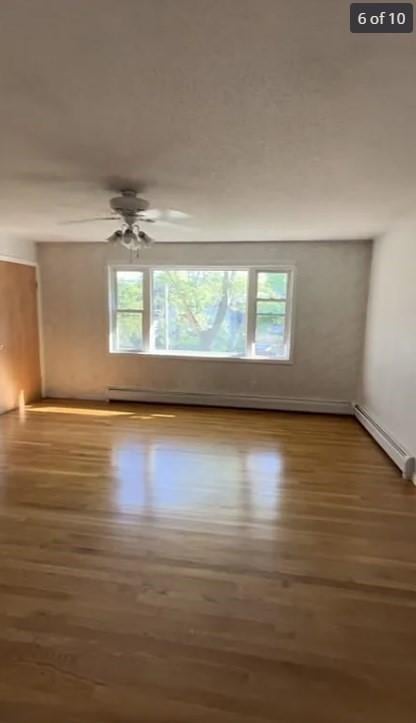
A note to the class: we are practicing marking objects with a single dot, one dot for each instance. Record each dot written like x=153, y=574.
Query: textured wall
x=262, y=120
x=330, y=304
x=389, y=370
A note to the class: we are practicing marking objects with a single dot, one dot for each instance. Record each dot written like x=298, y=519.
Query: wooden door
x=19, y=337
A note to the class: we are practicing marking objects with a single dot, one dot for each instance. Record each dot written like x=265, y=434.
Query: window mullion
x=146, y=310
x=113, y=312
x=251, y=312
x=288, y=309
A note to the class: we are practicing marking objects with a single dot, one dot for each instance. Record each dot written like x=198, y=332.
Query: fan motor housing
x=128, y=204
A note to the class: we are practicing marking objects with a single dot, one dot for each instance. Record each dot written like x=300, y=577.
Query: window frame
x=288, y=315
x=252, y=284
x=115, y=311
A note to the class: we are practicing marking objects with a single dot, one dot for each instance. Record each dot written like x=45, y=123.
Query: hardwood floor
x=183, y=565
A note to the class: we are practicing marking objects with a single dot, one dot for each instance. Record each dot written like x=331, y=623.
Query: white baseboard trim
x=404, y=461
x=286, y=404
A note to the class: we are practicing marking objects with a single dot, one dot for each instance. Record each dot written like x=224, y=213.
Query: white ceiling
x=263, y=119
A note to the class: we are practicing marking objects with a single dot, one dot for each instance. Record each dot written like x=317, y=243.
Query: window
x=271, y=314
x=200, y=311
x=240, y=313
x=127, y=318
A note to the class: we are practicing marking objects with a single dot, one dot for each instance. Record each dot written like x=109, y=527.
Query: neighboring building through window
x=240, y=313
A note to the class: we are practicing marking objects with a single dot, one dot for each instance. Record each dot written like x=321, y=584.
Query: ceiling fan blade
x=89, y=220
x=177, y=226
x=165, y=214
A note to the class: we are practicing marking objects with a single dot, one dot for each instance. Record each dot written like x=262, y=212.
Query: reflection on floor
x=154, y=477
x=191, y=565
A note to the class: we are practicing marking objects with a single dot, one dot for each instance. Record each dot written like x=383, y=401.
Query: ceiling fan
x=132, y=211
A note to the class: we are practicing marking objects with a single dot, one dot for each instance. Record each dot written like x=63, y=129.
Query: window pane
x=272, y=284
x=270, y=331
x=129, y=332
x=129, y=289
x=200, y=311
x=271, y=307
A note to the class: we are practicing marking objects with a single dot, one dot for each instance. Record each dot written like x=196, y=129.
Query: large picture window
x=200, y=311
x=235, y=313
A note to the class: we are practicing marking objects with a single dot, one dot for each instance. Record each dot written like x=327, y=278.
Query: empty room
x=207, y=362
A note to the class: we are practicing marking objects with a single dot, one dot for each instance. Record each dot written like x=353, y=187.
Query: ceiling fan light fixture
x=130, y=240
x=129, y=236
x=115, y=237
x=145, y=238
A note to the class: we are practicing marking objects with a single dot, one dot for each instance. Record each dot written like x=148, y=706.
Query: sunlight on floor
x=152, y=416
x=164, y=416
x=93, y=412
x=81, y=411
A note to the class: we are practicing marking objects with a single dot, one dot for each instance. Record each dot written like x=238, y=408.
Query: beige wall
x=330, y=303
x=389, y=369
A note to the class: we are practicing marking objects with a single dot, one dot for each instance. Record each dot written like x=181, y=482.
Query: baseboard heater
x=282, y=404
x=404, y=461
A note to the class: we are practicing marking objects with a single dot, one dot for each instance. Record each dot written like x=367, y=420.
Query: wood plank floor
x=184, y=565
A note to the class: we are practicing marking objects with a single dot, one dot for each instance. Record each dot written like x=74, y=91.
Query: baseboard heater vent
x=404, y=461
x=282, y=404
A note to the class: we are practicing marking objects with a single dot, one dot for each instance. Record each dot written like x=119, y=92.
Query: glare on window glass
x=200, y=311
x=272, y=285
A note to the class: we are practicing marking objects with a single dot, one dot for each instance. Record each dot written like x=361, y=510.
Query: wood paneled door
x=19, y=336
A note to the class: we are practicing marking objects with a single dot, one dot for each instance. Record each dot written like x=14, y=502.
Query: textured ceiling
x=262, y=119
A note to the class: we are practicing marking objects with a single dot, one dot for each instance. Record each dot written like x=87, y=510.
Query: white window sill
x=202, y=357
